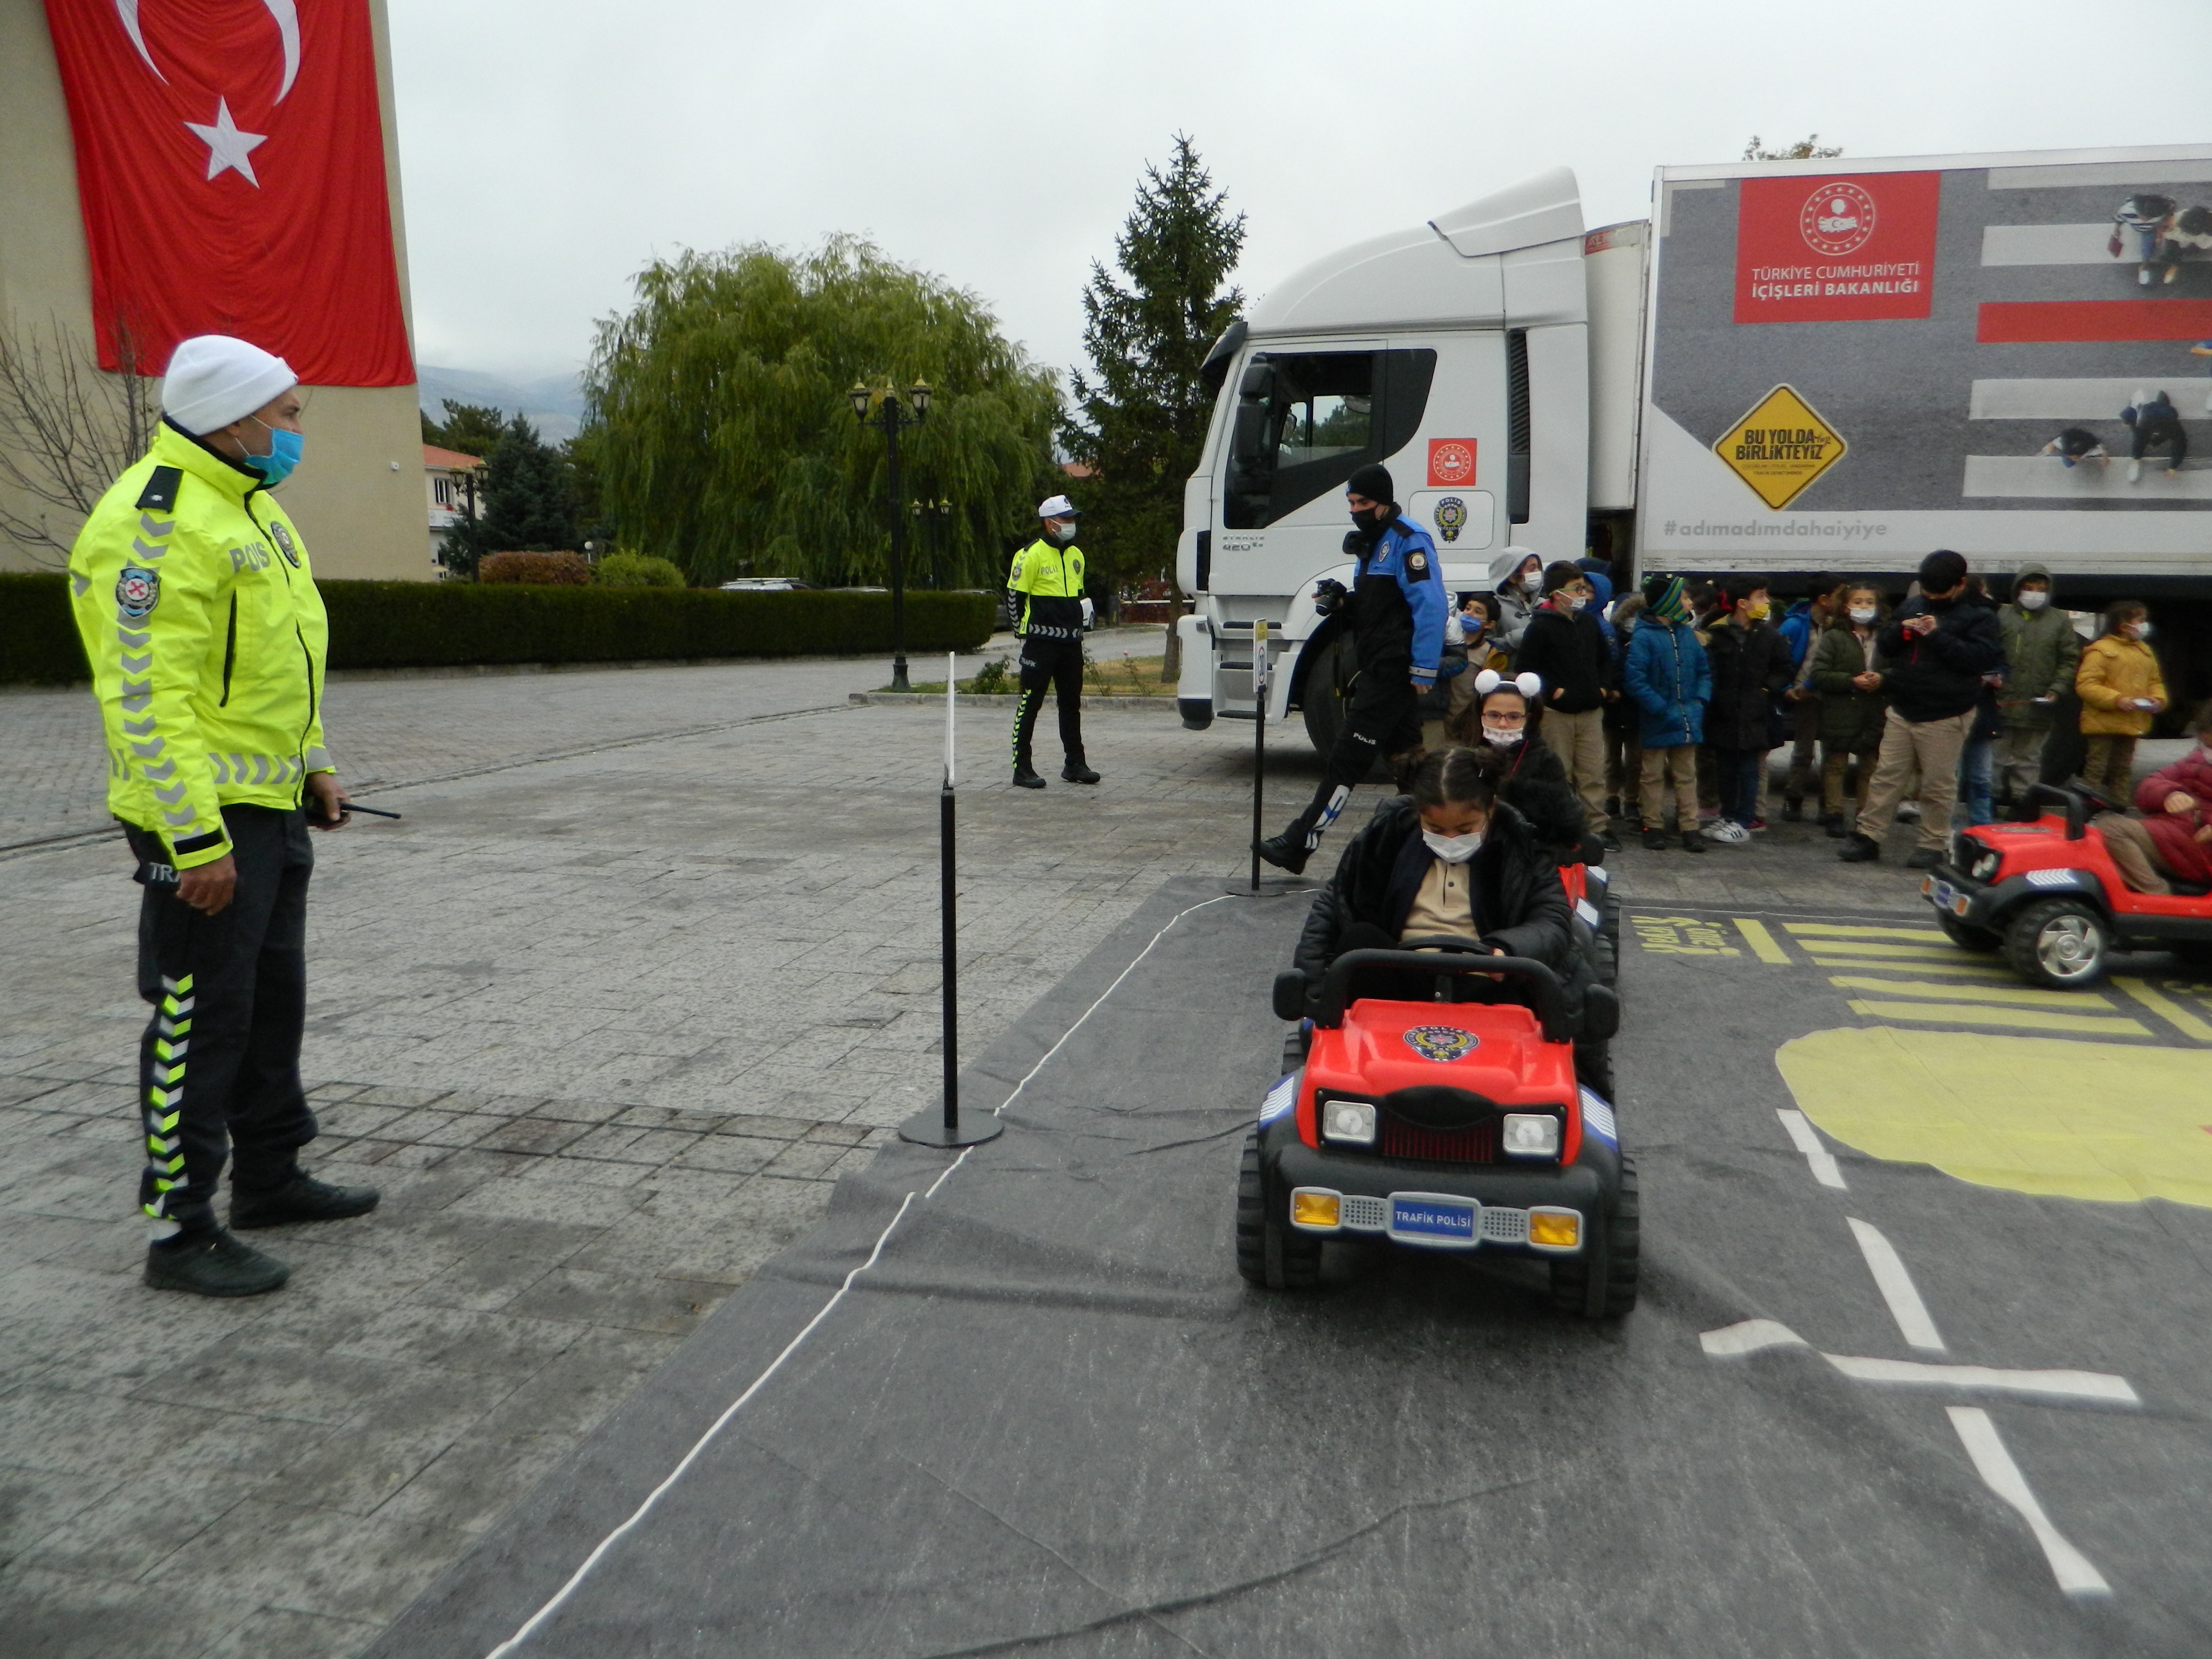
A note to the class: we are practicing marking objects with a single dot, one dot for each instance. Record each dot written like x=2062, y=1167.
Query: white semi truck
x=1793, y=368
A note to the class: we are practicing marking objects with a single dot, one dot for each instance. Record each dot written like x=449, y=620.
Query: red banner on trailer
x=230, y=163
x=1847, y=248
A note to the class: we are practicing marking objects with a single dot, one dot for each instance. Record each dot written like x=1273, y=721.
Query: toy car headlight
x=1981, y=862
x=1351, y=1121
x=1531, y=1134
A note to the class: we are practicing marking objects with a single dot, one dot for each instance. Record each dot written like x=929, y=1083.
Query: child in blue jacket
x=1666, y=675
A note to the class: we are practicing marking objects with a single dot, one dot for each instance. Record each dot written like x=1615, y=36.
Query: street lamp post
x=891, y=415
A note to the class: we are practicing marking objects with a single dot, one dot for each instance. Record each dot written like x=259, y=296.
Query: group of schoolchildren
x=1675, y=696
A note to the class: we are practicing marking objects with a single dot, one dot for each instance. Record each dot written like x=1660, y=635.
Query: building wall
x=359, y=494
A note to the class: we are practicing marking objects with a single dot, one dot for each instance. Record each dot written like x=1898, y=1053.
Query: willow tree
x=725, y=441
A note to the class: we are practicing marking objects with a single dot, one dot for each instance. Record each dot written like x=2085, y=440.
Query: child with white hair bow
x=1507, y=715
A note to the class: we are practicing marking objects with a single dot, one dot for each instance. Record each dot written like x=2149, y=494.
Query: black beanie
x=1372, y=481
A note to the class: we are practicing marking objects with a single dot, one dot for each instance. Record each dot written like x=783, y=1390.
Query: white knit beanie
x=214, y=380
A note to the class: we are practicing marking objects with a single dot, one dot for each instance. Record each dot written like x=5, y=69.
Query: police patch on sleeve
x=284, y=543
x=138, y=590
x=1418, y=563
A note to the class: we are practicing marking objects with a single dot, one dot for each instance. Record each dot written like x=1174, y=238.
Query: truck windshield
x=1307, y=421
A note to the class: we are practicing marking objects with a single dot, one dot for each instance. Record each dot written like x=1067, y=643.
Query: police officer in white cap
x=1046, y=588
x=192, y=589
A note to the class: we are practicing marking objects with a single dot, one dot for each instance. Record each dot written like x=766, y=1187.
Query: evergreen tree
x=720, y=436
x=470, y=429
x=526, y=503
x=1140, y=422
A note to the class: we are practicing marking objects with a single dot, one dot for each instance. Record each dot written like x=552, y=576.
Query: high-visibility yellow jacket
x=199, y=611
x=1048, y=581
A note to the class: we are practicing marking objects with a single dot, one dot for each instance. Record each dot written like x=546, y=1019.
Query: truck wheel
x=2059, y=943
x=1616, y=1264
x=1271, y=1255
x=1321, y=700
x=1965, y=935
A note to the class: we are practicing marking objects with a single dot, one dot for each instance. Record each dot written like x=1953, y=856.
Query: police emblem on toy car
x=1451, y=517
x=138, y=590
x=1440, y=1043
x=285, y=544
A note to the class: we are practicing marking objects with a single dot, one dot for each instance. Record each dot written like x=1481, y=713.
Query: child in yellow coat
x=2121, y=689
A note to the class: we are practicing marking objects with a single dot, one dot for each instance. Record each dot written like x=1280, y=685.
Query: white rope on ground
x=559, y=1597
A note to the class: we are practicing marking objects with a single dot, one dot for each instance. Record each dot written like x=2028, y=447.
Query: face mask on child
x=1861, y=614
x=2139, y=630
x=1503, y=736
x=2034, y=599
x=1453, y=850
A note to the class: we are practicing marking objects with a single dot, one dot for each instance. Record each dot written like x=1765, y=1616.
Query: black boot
x=1861, y=849
x=212, y=1264
x=1076, y=772
x=1287, y=851
x=302, y=1198
x=1025, y=779
x=1834, y=824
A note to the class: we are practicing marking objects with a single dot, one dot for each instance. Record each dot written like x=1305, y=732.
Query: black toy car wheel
x=2059, y=943
x=1602, y=1283
x=1965, y=935
x=1271, y=1255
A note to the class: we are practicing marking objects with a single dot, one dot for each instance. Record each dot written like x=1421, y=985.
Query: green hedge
x=433, y=624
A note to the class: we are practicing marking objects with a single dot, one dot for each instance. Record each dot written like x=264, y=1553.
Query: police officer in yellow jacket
x=198, y=611
x=1046, y=585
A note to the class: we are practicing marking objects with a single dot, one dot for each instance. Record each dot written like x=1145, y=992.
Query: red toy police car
x=1441, y=1125
x=2048, y=895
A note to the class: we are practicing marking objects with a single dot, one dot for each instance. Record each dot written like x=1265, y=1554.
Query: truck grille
x=1476, y=1145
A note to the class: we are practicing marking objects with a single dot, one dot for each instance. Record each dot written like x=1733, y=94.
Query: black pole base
x=1272, y=884
x=927, y=1129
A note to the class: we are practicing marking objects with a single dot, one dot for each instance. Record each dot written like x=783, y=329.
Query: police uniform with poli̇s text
x=1396, y=608
x=1046, y=585
x=192, y=589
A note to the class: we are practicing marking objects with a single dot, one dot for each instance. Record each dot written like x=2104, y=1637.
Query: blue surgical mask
x=285, y=448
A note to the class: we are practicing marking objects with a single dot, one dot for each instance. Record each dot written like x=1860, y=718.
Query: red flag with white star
x=230, y=165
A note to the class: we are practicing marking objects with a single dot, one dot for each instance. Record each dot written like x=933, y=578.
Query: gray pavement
x=650, y=962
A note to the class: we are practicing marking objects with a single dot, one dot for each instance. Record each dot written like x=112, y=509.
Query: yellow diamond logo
x=1781, y=446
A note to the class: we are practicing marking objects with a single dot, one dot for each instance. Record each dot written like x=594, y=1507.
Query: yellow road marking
x=1826, y=930
x=1960, y=1013
x=1851, y=947
x=1989, y=968
x=1763, y=945
x=2020, y=994
x=2114, y=1123
x=2164, y=1006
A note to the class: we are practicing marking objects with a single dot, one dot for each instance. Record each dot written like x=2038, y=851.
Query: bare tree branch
x=67, y=429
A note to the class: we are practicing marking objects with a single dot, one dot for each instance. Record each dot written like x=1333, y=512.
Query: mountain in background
x=555, y=405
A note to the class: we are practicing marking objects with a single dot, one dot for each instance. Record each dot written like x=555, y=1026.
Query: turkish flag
x=230, y=161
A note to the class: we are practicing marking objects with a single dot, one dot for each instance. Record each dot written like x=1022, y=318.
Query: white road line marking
x=1045, y=1058
x=2072, y=1569
x=2051, y=244
x=1897, y=1287
x=2025, y=476
x=1807, y=1141
x=2064, y=400
x=598, y=1553
x=1758, y=1335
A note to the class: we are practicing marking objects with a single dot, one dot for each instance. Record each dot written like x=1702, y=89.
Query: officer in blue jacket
x=1395, y=607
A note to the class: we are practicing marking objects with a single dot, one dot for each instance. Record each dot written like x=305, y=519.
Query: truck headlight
x=1349, y=1121
x=1531, y=1134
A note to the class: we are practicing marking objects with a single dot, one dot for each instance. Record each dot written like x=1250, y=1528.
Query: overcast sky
x=550, y=148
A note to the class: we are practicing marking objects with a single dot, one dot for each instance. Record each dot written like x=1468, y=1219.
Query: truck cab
x=1460, y=354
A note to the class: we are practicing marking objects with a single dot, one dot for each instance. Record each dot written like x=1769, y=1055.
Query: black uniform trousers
x=1382, y=718
x=1057, y=664
x=219, y=1065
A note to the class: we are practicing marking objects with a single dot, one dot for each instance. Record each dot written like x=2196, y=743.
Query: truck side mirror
x=1290, y=994
x=1259, y=382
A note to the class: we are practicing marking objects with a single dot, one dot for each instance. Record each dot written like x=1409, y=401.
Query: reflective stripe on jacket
x=199, y=611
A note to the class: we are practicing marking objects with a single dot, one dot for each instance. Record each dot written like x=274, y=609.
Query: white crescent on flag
x=285, y=12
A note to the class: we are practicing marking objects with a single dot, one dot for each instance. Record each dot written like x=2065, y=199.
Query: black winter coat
x=1751, y=665
x=1520, y=906
x=1570, y=654
x=1537, y=788
x=1935, y=677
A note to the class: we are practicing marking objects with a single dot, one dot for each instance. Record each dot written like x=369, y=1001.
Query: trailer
x=1796, y=368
